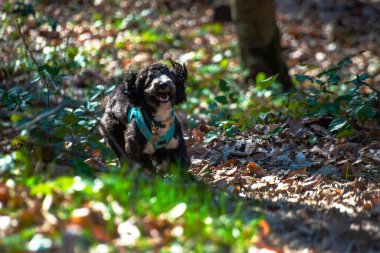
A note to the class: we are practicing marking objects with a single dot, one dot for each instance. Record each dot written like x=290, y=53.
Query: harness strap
x=151, y=133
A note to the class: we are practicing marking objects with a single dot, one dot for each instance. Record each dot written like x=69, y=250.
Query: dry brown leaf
x=367, y=205
x=258, y=186
x=256, y=169
x=312, y=183
x=246, y=172
x=339, y=191
x=230, y=162
x=295, y=125
x=264, y=226
x=4, y=193
x=295, y=173
x=198, y=135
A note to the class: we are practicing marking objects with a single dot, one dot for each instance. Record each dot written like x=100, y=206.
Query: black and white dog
x=139, y=120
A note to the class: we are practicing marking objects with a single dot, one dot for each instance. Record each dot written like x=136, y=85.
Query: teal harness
x=151, y=133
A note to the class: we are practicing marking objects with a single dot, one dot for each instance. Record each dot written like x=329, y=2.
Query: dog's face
x=156, y=85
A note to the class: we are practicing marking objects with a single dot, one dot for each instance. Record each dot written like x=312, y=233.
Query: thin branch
x=371, y=87
x=29, y=52
x=37, y=119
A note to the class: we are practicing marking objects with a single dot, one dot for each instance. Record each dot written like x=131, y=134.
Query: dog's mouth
x=163, y=97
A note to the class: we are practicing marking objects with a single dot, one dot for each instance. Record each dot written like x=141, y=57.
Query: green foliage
x=330, y=95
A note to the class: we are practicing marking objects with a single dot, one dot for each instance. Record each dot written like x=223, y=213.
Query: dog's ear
x=180, y=73
x=130, y=88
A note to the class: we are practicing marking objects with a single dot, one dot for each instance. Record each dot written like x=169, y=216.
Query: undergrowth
x=57, y=175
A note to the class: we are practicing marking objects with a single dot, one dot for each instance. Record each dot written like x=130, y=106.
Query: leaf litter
x=328, y=191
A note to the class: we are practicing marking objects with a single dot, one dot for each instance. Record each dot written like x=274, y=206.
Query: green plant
x=330, y=95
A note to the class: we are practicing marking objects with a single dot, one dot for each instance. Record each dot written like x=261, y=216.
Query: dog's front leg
x=137, y=148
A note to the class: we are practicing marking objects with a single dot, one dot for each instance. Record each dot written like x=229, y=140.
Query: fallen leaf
x=339, y=191
x=264, y=226
x=296, y=173
x=258, y=186
x=4, y=193
x=295, y=125
x=256, y=169
x=230, y=162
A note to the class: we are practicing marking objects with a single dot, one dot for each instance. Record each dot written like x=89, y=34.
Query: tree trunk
x=259, y=39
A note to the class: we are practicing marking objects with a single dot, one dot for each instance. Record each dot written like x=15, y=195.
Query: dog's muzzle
x=163, y=92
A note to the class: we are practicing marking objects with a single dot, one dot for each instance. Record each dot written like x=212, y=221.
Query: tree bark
x=259, y=39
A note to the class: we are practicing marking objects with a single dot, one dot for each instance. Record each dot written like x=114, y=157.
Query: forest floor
x=309, y=202
x=321, y=196
x=318, y=193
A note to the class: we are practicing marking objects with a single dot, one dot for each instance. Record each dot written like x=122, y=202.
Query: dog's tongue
x=164, y=97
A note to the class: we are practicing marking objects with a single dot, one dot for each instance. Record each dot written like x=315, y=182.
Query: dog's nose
x=163, y=85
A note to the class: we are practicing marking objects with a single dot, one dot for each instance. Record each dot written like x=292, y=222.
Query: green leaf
x=212, y=106
x=231, y=130
x=303, y=78
x=333, y=78
x=60, y=132
x=346, y=133
x=276, y=130
x=342, y=98
x=15, y=118
x=266, y=83
x=223, y=85
x=23, y=9
x=211, y=136
x=72, y=52
x=363, y=77
x=366, y=112
x=260, y=77
x=209, y=69
x=52, y=71
x=69, y=119
x=344, y=62
x=337, y=124
x=359, y=79
x=221, y=99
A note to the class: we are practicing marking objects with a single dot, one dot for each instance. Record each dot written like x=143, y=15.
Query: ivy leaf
x=365, y=112
x=260, y=77
x=223, y=85
x=303, y=78
x=333, y=78
x=266, y=83
x=24, y=9
x=359, y=79
x=52, y=71
x=337, y=124
x=276, y=130
x=344, y=62
x=211, y=136
x=363, y=77
x=221, y=99
x=343, y=98
x=69, y=119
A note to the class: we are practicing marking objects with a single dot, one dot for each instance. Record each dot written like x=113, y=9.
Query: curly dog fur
x=154, y=90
